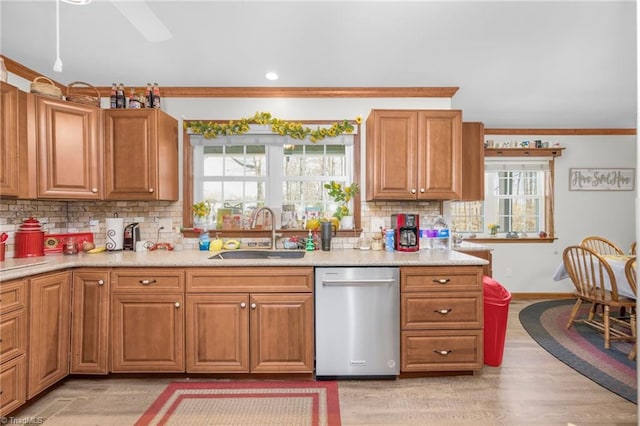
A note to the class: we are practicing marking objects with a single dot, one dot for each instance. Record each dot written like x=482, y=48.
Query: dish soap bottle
x=203, y=241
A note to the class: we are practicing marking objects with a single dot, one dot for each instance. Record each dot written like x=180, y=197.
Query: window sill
x=260, y=233
x=502, y=240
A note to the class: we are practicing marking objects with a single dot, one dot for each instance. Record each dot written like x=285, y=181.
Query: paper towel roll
x=115, y=233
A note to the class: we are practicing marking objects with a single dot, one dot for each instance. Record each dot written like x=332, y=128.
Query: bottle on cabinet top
x=120, y=98
x=112, y=97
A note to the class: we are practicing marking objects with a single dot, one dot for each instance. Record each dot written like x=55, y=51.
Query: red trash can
x=496, y=312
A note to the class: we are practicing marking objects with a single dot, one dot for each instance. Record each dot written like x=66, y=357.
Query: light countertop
x=17, y=268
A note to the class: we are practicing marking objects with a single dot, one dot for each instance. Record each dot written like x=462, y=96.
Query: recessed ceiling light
x=271, y=76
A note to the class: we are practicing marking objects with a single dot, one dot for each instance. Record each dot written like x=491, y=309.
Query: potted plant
x=493, y=229
x=342, y=195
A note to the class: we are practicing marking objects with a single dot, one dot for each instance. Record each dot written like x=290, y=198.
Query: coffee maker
x=131, y=236
x=407, y=231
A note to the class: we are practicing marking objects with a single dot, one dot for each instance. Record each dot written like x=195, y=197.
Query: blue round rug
x=581, y=347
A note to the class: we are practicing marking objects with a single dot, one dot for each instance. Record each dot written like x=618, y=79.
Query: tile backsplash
x=59, y=217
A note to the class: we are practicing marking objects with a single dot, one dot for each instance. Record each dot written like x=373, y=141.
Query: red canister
x=29, y=239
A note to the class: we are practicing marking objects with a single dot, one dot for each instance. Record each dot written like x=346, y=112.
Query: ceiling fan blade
x=144, y=20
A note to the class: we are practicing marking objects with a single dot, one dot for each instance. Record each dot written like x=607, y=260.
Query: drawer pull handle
x=441, y=280
x=442, y=311
x=147, y=282
x=443, y=353
x=243, y=305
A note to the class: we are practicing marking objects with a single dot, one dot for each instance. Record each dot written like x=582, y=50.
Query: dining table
x=617, y=263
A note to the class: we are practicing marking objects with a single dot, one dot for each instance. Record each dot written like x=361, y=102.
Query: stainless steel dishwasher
x=357, y=322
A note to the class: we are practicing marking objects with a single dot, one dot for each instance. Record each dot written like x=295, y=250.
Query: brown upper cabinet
x=141, y=155
x=10, y=140
x=65, y=146
x=472, y=162
x=414, y=155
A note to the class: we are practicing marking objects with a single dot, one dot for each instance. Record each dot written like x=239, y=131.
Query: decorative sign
x=601, y=179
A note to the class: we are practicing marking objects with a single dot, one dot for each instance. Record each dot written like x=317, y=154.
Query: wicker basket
x=48, y=88
x=82, y=98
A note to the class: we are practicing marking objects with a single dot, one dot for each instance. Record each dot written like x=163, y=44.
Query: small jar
x=70, y=247
x=376, y=243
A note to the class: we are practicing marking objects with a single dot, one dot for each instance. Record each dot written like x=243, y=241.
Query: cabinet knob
x=150, y=189
x=94, y=190
x=413, y=191
x=147, y=282
x=177, y=304
x=422, y=190
x=100, y=282
x=253, y=306
x=243, y=305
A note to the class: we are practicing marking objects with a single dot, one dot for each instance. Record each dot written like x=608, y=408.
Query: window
x=518, y=198
x=238, y=174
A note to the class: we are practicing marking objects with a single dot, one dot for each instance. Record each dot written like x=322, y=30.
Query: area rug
x=245, y=403
x=581, y=347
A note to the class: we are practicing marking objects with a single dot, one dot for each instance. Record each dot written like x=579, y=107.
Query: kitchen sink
x=259, y=254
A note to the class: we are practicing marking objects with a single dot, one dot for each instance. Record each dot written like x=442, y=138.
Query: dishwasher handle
x=356, y=282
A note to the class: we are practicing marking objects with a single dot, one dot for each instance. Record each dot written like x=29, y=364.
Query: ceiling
x=524, y=64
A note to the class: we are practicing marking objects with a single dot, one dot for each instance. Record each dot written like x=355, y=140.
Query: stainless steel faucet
x=273, y=225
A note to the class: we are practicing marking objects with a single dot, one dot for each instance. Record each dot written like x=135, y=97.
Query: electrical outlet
x=166, y=224
x=94, y=225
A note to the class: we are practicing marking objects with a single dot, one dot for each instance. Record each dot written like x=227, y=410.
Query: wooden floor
x=531, y=387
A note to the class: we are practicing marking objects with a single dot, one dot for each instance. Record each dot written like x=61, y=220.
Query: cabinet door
x=147, y=332
x=439, y=154
x=13, y=385
x=217, y=333
x=391, y=155
x=472, y=162
x=69, y=149
x=9, y=128
x=50, y=317
x=141, y=155
x=90, y=322
x=482, y=254
x=281, y=333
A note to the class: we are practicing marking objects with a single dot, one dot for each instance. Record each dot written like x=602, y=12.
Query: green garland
x=281, y=127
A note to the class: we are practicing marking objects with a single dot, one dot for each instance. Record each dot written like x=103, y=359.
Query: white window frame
x=490, y=210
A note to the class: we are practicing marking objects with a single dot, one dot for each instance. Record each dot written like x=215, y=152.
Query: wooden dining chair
x=632, y=249
x=630, y=272
x=601, y=245
x=595, y=283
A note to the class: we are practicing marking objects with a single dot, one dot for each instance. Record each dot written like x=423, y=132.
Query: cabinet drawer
x=442, y=350
x=264, y=279
x=441, y=310
x=468, y=278
x=13, y=334
x=151, y=279
x=13, y=382
x=13, y=295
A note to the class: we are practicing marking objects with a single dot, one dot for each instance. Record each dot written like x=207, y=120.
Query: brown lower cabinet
x=442, y=319
x=49, y=330
x=13, y=345
x=482, y=254
x=90, y=322
x=242, y=320
x=147, y=320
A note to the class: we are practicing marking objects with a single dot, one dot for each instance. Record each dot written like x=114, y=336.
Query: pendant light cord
x=57, y=66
